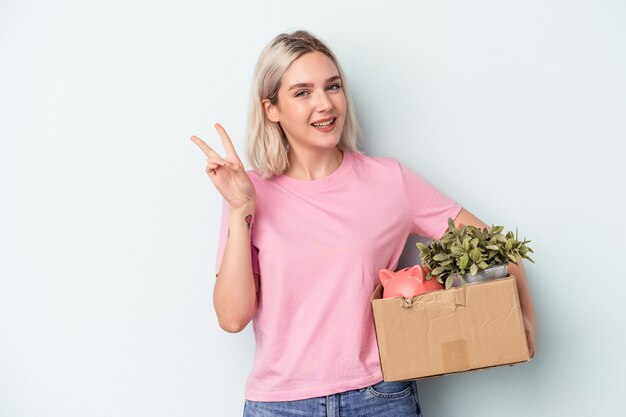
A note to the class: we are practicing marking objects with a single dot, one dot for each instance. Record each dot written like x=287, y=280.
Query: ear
x=385, y=275
x=418, y=272
x=270, y=111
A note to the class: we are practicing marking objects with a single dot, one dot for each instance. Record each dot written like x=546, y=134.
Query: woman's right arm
x=234, y=295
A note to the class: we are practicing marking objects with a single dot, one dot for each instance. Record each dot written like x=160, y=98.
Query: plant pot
x=491, y=273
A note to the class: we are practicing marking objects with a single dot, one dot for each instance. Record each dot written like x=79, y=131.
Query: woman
x=304, y=235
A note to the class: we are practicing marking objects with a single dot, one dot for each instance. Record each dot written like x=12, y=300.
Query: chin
x=334, y=142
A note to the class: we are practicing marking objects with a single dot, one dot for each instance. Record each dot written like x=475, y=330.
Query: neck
x=312, y=165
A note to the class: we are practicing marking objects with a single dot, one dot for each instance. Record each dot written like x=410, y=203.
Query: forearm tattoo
x=248, y=220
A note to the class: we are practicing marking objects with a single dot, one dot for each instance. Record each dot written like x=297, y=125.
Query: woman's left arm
x=526, y=303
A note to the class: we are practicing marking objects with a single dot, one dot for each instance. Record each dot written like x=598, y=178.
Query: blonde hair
x=267, y=144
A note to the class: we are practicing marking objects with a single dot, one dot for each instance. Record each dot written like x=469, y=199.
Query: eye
x=301, y=93
x=334, y=87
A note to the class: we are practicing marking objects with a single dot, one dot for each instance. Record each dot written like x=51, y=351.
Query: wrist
x=248, y=208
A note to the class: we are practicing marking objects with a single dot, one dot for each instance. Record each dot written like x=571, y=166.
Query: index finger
x=208, y=151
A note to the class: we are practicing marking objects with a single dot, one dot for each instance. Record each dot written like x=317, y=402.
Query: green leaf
x=512, y=257
x=464, y=261
x=449, y=283
x=438, y=270
x=457, y=251
x=483, y=265
x=441, y=257
x=475, y=255
x=473, y=269
x=492, y=247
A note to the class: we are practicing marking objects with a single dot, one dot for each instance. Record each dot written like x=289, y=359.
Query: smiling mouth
x=324, y=124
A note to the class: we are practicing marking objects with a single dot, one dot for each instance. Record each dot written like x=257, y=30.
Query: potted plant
x=470, y=254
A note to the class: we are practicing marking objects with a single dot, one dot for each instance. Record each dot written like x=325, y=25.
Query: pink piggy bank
x=407, y=282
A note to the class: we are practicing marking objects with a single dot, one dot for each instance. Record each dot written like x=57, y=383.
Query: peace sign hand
x=228, y=174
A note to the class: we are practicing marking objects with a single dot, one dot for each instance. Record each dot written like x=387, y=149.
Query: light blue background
x=109, y=225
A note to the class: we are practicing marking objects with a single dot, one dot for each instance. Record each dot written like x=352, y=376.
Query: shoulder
x=382, y=168
x=255, y=176
x=260, y=182
x=390, y=169
x=253, y=173
x=376, y=162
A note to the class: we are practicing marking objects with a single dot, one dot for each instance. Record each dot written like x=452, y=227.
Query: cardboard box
x=460, y=329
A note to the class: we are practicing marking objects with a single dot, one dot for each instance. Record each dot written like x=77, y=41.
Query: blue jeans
x=383, y=399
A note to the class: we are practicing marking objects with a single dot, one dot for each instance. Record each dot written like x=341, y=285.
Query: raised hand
x=228, y=174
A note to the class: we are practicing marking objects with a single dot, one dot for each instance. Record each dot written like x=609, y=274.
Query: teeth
x=324, y=124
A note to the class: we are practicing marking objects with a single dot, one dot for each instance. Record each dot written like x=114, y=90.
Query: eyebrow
x=300, y=85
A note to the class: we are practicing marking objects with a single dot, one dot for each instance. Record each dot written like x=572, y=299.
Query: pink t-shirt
x=318, y=247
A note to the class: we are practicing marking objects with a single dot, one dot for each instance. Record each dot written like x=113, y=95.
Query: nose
x=323, y=102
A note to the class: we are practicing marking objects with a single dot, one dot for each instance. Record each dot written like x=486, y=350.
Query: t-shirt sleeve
x=429, y=207
x=222, y=243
